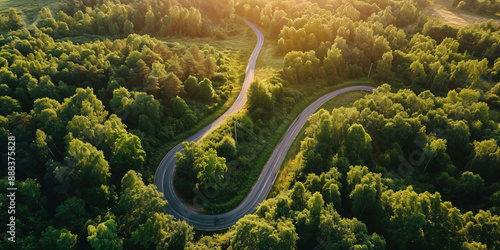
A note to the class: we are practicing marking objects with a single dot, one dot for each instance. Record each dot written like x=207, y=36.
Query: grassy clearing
x=242, y=42
x=293, y=160
x=268, y=63
x=441, y=10
x=30, y=8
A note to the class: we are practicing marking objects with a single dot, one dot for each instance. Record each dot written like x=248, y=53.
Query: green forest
x=94, y=93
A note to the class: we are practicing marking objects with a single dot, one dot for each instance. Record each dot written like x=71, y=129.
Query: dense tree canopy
x=92, y=91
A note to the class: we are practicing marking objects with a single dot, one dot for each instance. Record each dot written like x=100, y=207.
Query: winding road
x=260, y=190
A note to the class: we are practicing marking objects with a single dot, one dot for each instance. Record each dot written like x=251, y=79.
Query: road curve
x=165, y=171
x=260, y=190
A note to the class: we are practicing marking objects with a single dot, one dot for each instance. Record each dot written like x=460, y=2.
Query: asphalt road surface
x=165, y=172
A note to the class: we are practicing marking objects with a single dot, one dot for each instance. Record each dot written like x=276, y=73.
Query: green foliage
x=471, y=187
x=104, y=236
x=170, y=86
x=185, y=172
x=299, y=198
x=47, y=22
x=483, y=7
x=57, y=239
x=227, y=148
x=206, y=90
x=253, y=232
x=161, y=231
x=487, y=159
x=415, y=213
x=358, y=145
x=179, y=107
x=182, y=236
x=83, y=103
x=333, y=195
x=313, y=183
x=338, y=232
x=31, y=203
x=128, y=154
x=259, y=96
x=71, y=137
x=153, y=18
x=315, y=206
x=128, y=27
x=473, y=245
x=482, y=228
x=132, y=105
x=43, y=88
x=137, y=202
x=9, y=105
x=85, y=165
x=72, y=213
x=211, y=169
x=282, y=207
x=365, y=198
x=13, y=21
x=423, y=126
x=341, y=41
x=192, y=87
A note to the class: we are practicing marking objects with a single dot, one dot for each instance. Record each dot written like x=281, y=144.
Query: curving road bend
x=165, y=171
x=260, y=190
